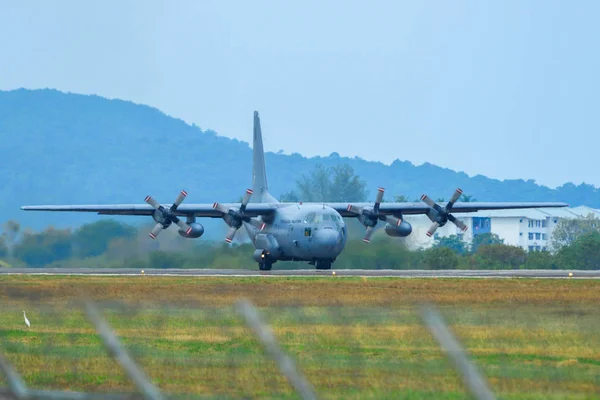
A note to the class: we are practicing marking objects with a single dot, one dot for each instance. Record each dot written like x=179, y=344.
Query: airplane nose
x=328, y=239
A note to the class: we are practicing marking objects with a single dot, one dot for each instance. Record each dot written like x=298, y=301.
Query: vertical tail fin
x=259, y=173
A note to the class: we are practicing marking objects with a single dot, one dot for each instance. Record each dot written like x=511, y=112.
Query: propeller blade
x=247, y=196
x=354, y=209
x=432, y=230
x=220, y=207
x=152, y=202
x=393, y=220
x=454, y=198
x=461, y=225
x=245, y=200
x=427, y=200
x=178, y=200
x=182, y=225
x=368, y=233
x=231, y=234
x=156, y=230
x=379, y=198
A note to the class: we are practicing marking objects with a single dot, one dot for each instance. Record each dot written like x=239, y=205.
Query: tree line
x=109, y=243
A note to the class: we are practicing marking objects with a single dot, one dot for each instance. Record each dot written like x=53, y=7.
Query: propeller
x=441, y=215
x=369, y=216
x=166, y=215
x=234, y=217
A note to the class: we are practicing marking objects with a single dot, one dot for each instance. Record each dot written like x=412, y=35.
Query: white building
x=530, y=229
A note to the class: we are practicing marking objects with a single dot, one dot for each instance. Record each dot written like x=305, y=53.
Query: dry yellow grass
x=353, y=338
x=306, y=291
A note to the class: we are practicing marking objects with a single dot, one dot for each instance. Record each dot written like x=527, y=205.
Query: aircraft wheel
x=323, y=264
x=265, y=266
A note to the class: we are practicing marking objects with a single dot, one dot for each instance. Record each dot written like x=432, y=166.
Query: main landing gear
x=264, y=260
x=265, y=265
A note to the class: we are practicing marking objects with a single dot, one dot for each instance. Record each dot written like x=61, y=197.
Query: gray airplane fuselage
x=298, y=232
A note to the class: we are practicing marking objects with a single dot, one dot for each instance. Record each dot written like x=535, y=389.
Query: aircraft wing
x=413, y=208
x=256, y=209
x=198, y=210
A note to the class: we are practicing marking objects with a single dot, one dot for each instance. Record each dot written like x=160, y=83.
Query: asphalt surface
x=309, y=272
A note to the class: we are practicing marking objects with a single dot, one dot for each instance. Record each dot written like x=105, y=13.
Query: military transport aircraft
x=311, y=232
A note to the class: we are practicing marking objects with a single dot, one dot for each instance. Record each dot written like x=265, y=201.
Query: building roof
x=531, y=213
x=585, y=210
x=559, y=212
x=534, y=213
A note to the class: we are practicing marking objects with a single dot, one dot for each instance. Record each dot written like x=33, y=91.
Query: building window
x=530, y=235
x=544, y=223
x=307, y=231
x=538, y=236
x=530, y=224
x=520, y=233
x=544, y=236
x=530, y=248
x=481, y=225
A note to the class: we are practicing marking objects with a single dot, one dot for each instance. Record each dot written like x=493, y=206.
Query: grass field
x=352, y=337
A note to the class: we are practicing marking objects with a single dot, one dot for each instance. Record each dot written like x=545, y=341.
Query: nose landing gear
x=323, y=264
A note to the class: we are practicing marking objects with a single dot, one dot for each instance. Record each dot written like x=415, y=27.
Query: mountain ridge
x=61, y=148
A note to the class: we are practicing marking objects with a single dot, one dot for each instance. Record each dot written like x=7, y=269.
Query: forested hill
x=69, y=148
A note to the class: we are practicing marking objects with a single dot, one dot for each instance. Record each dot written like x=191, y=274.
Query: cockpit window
x=314, y=218
x=337, y=220
x=310, y=218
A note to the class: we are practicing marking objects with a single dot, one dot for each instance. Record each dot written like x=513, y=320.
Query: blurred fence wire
x=111, y=350
x=472, y=377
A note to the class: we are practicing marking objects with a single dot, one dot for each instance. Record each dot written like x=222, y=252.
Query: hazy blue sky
x=507, y=89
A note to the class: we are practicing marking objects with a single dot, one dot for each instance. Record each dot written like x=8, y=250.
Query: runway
x=382, y=273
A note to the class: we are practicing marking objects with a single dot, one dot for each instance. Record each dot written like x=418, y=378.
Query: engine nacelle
x=403, y=230
x=261, y=255
x=197, y=231
x=268, y=246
